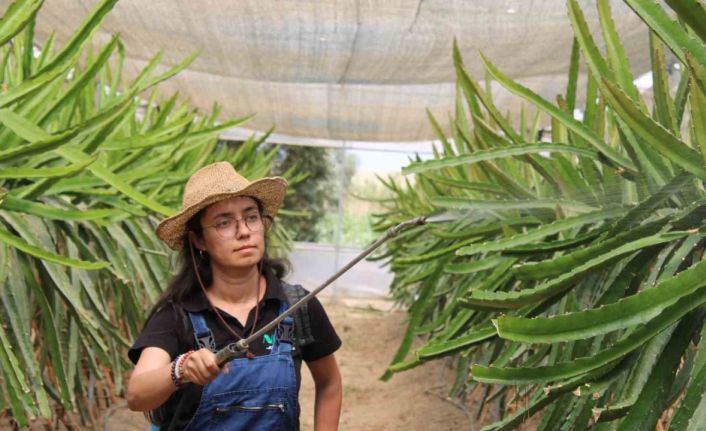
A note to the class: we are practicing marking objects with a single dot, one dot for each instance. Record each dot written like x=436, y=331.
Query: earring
x=201, y=254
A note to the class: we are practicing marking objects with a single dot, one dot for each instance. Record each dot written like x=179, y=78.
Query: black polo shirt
x=170, y=329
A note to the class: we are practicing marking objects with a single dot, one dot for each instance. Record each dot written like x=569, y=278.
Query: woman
x=228, y=288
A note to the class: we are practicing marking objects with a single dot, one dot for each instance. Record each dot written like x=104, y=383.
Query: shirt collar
x=198, y=302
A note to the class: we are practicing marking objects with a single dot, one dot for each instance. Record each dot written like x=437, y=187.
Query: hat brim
x=269, y=191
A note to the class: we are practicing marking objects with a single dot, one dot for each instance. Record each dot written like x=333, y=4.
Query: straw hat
x=213, y=183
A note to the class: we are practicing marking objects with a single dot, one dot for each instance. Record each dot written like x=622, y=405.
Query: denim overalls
x=258, y=394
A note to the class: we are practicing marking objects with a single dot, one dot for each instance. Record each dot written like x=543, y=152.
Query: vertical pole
x=340, y=159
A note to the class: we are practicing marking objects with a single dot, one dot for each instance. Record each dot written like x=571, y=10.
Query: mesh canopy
x=347, y=69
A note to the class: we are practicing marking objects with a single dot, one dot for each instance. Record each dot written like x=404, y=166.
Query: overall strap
x=302, y=323
x=203, y=335
x=284, y=334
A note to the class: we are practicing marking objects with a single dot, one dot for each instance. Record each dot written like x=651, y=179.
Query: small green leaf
x=670, y=31
x=58, y=172
x=653, y=133
x=495, y=153
x=40, y=253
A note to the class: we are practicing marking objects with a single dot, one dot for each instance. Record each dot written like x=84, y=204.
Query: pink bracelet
x=177, y=368
x=180, y=365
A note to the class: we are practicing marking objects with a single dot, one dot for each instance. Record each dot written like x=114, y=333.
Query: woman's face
x=232, y=243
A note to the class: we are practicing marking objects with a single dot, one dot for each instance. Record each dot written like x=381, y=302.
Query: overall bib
x=258, y=394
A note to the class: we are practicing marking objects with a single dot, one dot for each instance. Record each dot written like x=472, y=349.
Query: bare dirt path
x=412, y=400
x=406, y=402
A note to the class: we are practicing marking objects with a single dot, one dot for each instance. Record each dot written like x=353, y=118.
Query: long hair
x=184, y=283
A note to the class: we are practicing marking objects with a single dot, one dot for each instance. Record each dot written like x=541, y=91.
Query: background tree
x=317, y=194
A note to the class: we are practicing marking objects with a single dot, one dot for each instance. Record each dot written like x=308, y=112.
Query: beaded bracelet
x=182, y=362
x=173, y=372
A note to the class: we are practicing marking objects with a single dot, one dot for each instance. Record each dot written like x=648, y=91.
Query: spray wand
x=239, y=348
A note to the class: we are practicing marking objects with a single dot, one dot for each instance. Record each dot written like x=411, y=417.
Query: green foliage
x=573, y=268
x=87, y=169
x=315, y=195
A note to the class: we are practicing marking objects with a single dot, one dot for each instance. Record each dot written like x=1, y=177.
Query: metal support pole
x=338, y=237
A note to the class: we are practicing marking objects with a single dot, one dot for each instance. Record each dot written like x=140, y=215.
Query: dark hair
x=184, y=283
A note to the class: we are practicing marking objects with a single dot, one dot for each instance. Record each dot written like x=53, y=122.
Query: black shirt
x=170, y=329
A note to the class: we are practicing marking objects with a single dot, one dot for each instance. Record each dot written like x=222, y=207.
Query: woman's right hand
x=200, y=367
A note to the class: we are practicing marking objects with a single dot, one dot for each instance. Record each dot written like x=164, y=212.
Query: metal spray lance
x=239, y=348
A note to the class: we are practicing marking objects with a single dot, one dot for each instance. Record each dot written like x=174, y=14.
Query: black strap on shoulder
x=302, y=323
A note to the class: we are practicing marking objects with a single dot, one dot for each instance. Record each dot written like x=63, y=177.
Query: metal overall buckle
x=285, y=330
x=207, y=342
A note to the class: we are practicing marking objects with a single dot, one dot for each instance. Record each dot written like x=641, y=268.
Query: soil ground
x=412, y=400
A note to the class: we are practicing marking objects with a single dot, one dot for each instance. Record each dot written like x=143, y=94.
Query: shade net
x=343, y=70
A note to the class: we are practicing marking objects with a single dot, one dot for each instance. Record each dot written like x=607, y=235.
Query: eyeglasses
x=227, y=227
